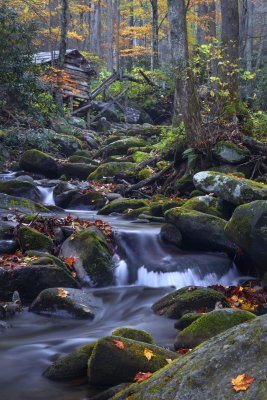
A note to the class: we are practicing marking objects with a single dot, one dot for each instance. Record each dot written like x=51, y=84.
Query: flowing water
x=146, y=269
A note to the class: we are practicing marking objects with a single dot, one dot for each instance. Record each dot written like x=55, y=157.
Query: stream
x=146, y=269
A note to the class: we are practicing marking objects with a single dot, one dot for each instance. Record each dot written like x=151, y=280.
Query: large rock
x=31, y=280
x=39, y=162
x=76, y=170
x=248, y=229
x=30, y=239
x=73, y=365
x=110, y=169
x=134, y=334
x=199, y=230
x=207, y=372
x=187, y=299
x=121, y=206
x=229, y=152
x=230, y=188
x=67, y=301
x=121, y=146
x=20, y=189
x=93, y=258
x=110, y=365
x=12, y=203
x=209, y=325
x=205, y=204
x=90, y=201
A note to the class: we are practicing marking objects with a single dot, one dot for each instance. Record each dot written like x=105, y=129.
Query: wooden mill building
x=79, y=72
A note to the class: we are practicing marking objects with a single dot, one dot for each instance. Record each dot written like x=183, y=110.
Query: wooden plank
x=76, y=68
x=76, y=95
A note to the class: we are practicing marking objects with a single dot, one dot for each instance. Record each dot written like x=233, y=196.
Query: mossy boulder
x=134, y=334
x=229, y=152
x=199, y=230
x=184, y=185
x=171, y=234
x=248, y=229
x=209, y=325
x=18, y=188
x=61, y=125
x=29, y=281
x=120, y=147
x=187, y=320
x=66, y=302
x=93, y=257
x=122, y=206
x=73, y=365
x=230, y=188
x=160, y=206
x=139, y=156
x=30, y=239
x=12, y=203
x=7, y=229
x=110, y=169
x=39, y=162
x=109, y=365
x=205, y=204
x=88, y=201
x=187, y=299
x=145, y=173
x=44, y=258
x=131, y=214
x=76, y=170
x=207, y=371
x=81, y=160
x=77, y=122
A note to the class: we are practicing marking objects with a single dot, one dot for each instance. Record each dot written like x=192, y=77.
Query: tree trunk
x=62, y=48
x=185, y=90
x=155, y=36
x=117, y=39
x=110, y=35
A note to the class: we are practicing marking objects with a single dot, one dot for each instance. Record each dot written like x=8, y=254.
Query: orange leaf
x=119, y=344
x=242, y=382
x=70, y=261
x=142, y=376
x=62, y=292
x=148, y=354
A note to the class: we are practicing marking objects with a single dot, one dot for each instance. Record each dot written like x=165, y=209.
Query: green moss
x=19, y=203
x=30, y=239
x=133, y=214
x=121, y=206
x=205, y=204
x=81, y=159
x=145, y=173
x=139, y=156
x=134, y=334
x=187, y=320
x=110, y=170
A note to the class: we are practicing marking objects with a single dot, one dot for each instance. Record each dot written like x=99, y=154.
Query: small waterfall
x=47, y=195
x=121, y=271
x=6, y=176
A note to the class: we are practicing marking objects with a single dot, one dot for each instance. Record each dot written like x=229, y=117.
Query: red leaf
x=142, y=376
x=119, y=344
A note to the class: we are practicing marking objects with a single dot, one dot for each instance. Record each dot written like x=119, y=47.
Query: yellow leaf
x=62, y=292
x=242, y=382
x=148, y=354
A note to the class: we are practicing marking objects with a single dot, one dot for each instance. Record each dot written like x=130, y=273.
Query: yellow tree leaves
x=242, y=382
x=148, y=353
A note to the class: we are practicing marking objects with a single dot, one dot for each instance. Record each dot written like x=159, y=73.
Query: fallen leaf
x=62, y=292
x=183, y=351
x=142, y=376
x=119, y=344
x=242, y=382
x=169, y=360
x=148, y=354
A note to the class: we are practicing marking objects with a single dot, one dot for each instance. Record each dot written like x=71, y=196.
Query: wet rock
x=30, y=239
x=8, y=246
x=74, y=365
x=109, y=365
x=206, y=204
x=248, y=229
x=199, y=230
x=208, y=370
x=25, y=178
x=76, y=170
x=229, y=152
x=187, y=320
x=20, y=189
x=44, y=258
x=230, y=188
x=71, y=302
x=31, y=280
x=82, y=160
x=93, y=258
x=89, y=201
x=7, y=229
x=37, y=161
x=110, y=169
x=209, y=325
x=12, y=203
x=107, y=394
x=134, y=334
x=171, y=234
x=120, y=147
x=120, y=206
x=187, y=299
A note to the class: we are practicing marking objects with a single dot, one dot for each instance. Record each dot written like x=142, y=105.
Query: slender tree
x=62, y=47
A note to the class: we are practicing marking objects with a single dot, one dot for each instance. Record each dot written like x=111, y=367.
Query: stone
x=199, y=230
x=8, y=246
x=30, y=239
x=187, y=299
x=12, y=203
x=67, y=302
x=209, y=325
x=230, y=188
x=37, y=161
x=109, y=365
x=122, y=206
x=207, y=371
x=109, y=170
x=93, y=257
x=229, y=152
x=248, y=229
x=76, y=170
x=186, y=320
x=89, y=201
x=134, y=334
x=207, y=204
x=120, y=147
x=77, y=122
x=28, y=190
x=82, y=160
x=171, y=234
